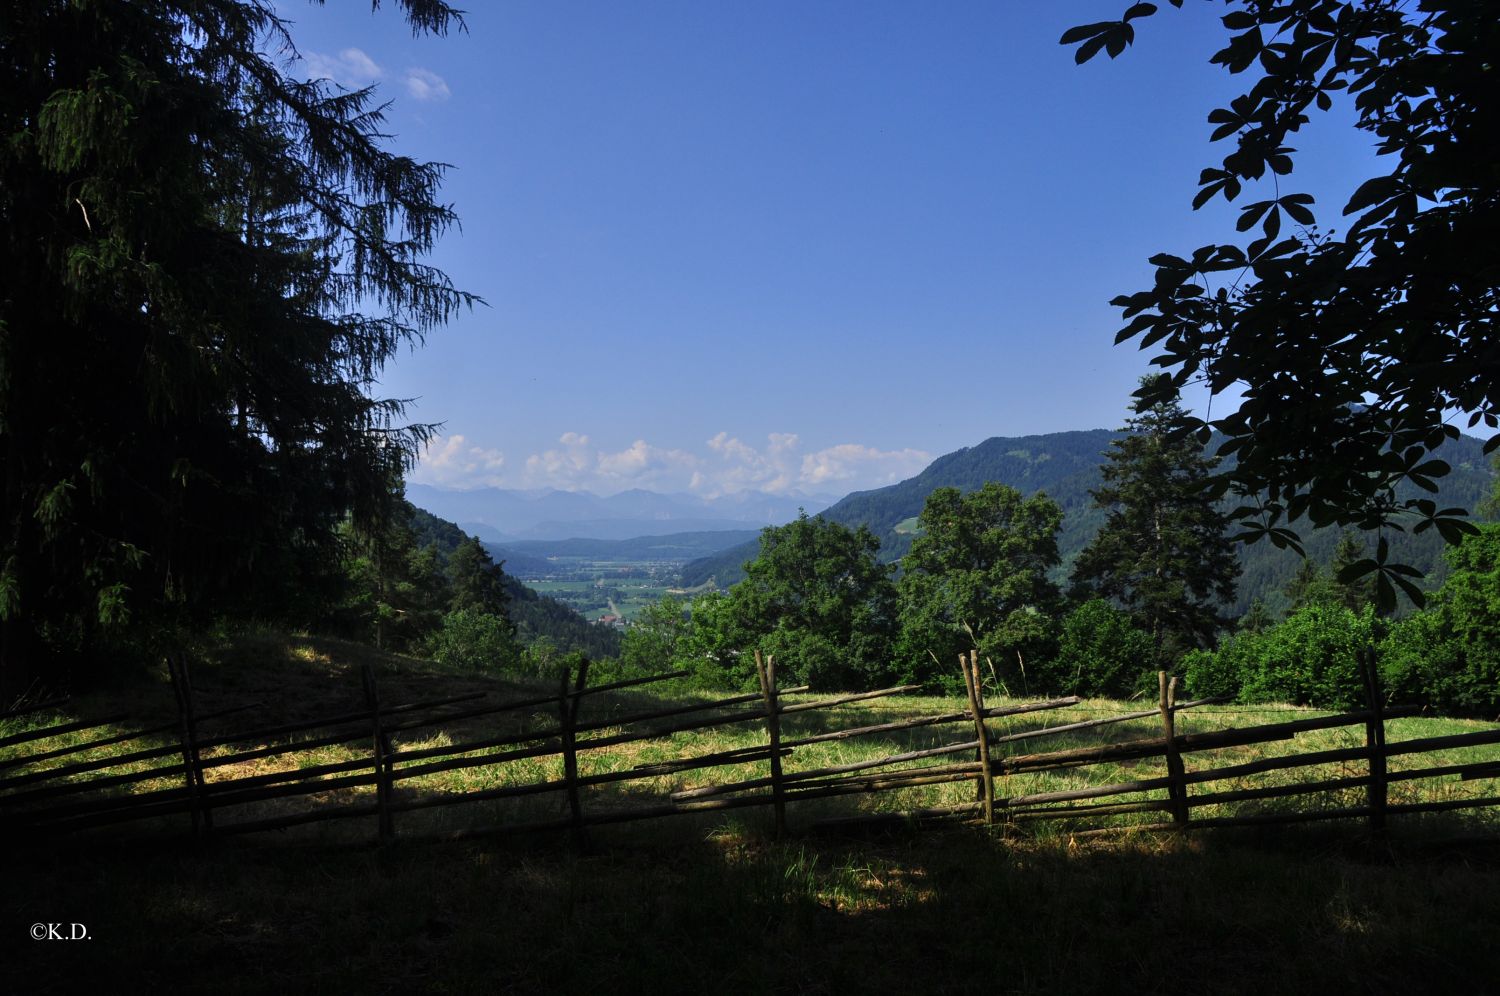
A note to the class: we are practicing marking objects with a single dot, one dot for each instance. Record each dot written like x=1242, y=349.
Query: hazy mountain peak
x=554, y=514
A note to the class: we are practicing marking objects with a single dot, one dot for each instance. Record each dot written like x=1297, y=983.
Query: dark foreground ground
x=719, y=908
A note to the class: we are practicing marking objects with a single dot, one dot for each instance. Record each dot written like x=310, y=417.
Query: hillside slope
x=536, y=616
x=1063, y=464
x=1066, y=465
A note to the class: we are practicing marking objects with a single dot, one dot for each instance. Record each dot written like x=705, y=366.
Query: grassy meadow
x=709, y=901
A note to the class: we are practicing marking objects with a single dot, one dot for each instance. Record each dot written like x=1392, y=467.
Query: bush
x=1449, y=655
x=650, y=645
x=1418, y=660
x=1209, y=674
x=478, y=640
x=1100, y=653
x=716, y=646
x=808, y=659
x=1311, y=658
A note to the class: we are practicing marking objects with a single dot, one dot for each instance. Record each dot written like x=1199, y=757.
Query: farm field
x=601, y=591
x=599, y=588
x=616, y=577
x=1041, y=909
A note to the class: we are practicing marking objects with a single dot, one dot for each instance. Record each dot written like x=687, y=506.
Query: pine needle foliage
x=1163, y=553
x=207, y=263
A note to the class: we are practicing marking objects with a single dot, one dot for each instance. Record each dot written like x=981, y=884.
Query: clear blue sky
x=793, y=246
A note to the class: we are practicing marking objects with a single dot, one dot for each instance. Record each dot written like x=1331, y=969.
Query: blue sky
x=789, y=246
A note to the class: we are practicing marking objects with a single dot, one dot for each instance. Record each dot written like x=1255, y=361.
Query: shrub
x=1310, y=658
x=1100, y=653
x=477, y=640
x=716, y=645
x=1417, y=660
x=1449, y=655
x=651, y=644
x=1208, y=673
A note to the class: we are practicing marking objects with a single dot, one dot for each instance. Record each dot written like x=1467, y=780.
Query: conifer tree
x=1162, y=554
x=207, y=262
x=1309, y=585
x=1353, y=589
x=477, y=582
x=395, y=591
x=1339, y=584
x=1256, y=619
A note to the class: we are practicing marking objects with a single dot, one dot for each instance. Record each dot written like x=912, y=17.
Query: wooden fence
x=41, y=799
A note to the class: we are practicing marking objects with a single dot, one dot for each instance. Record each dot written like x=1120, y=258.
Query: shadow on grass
x=714, y=907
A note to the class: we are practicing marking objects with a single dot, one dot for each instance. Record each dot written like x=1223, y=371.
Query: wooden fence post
x=766, y=669
x=182, y=687
x=1375, y=742
x=568, y=702
x=382, y=757
x=1177, y=785
x=986, y=786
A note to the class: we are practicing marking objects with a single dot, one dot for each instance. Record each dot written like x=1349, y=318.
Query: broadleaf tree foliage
x=977, y=579
x=818, y=599
x=206, y=263
x=1352, y=348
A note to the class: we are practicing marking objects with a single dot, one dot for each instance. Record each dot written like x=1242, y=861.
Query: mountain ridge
x=501, y=515
x=535, y=616
x=1066, y=465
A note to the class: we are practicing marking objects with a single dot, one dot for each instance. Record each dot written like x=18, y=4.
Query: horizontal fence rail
x=214, y=779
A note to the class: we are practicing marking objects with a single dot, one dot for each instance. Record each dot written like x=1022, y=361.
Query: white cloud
x=424, y=84
x=781, y=441
x=726, y=466
x=644, y=465
x=351, y=68
x=578, y=464
x=566, y=468
x=453, y=462
x=850, y=462
x=742, y=467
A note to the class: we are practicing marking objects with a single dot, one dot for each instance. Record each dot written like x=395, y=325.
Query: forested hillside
x=535, y=616
x=1063, y=464
x=1066, y=465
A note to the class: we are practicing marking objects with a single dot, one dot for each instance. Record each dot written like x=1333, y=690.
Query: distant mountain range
x=671, y=547
x=500, y=516
x=524, y=527
x=1066, y=465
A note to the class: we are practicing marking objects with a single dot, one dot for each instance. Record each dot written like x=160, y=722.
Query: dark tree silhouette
x=1352, y=349
x=207, y=262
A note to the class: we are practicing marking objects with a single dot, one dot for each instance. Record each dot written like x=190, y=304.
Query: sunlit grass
x=298, y=678
x=710, y=901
